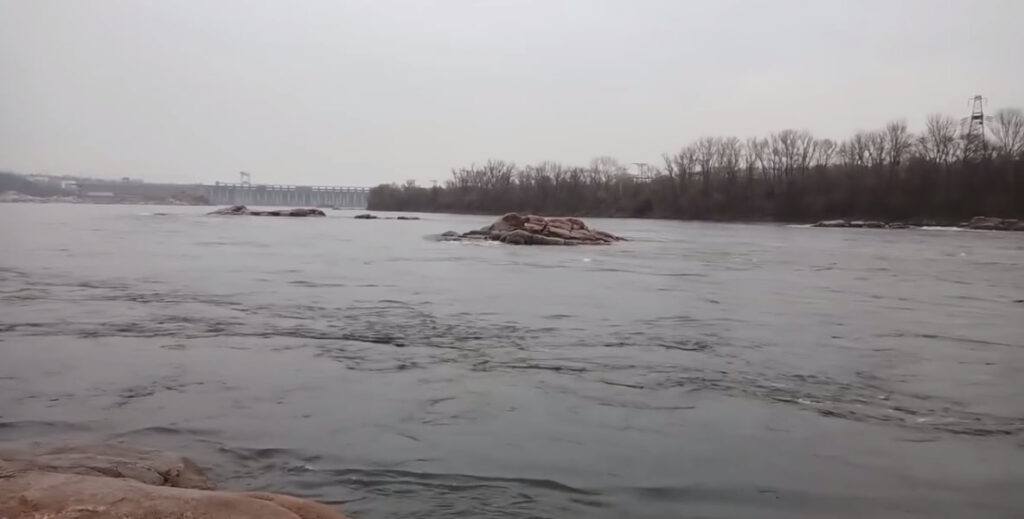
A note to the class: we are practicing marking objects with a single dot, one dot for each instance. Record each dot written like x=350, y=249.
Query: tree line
x=945, y=173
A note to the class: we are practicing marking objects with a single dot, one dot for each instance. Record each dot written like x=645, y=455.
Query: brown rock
x=235, y=210
x=113, y=481
x=518, y=229
x=111, y=460
x=522, y=237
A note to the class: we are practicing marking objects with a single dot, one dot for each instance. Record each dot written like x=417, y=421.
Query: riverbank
x=14, y=197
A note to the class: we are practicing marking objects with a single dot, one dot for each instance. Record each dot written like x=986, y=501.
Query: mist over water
x=700, y=370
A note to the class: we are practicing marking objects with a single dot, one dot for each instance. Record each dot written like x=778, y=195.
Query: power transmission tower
x=975, y=143
x=641, y=168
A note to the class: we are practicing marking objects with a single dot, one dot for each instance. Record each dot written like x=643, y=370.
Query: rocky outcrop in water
x=241, y=210
x=114, y=481
x=517, y=229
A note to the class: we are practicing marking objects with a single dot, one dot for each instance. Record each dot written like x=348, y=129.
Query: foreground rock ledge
x=241, y=210
x=518, y=229
x=115, y=481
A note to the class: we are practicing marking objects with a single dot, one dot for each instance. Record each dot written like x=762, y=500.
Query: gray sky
x=363, y=92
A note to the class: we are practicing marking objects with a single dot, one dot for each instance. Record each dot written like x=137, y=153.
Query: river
x=698, y=370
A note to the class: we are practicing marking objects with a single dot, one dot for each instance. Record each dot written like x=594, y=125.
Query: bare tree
x=847, y=154
x=607, y=166
x=1008, y=129
x=898, y=143
x=730, y=156
x=824, y=151
x=706, y=151
x=750, y=152
x=877, y=148
x=804, y=148
x=858, y=148
x=939, y=143
x=758, y=149
x=682, y=165
x=782, y=153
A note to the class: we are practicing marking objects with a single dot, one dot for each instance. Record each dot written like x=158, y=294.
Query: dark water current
x=701, y=370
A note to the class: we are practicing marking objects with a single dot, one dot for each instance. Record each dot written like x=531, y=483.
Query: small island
x=517, y=229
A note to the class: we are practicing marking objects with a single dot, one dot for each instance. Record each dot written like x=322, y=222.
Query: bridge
x=245, y=193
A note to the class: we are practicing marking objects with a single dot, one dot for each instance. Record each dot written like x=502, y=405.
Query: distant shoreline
x=976, y=223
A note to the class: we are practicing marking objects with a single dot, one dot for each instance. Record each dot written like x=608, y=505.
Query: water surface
x=699, y=370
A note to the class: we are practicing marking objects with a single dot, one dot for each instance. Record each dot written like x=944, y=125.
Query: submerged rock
x=368, y=216
x=115, y=481
x=241, y=210
x=517, y=229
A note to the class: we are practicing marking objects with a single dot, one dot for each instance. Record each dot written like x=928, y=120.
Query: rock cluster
x=115, y=481
x=241, y=210
x=517, y=229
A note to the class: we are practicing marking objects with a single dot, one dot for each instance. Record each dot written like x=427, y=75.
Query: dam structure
x=283, y=195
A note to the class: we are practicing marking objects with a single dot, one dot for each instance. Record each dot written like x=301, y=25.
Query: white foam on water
x=939, y=228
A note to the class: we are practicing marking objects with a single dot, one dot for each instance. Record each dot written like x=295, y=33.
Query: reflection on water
x=701, y=369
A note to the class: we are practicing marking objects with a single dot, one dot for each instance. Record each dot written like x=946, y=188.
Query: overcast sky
x=364, y=92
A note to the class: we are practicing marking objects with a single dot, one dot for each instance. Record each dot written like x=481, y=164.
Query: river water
x=698, y=370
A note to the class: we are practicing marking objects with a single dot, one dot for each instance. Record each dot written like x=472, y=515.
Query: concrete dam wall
x=294, y=196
